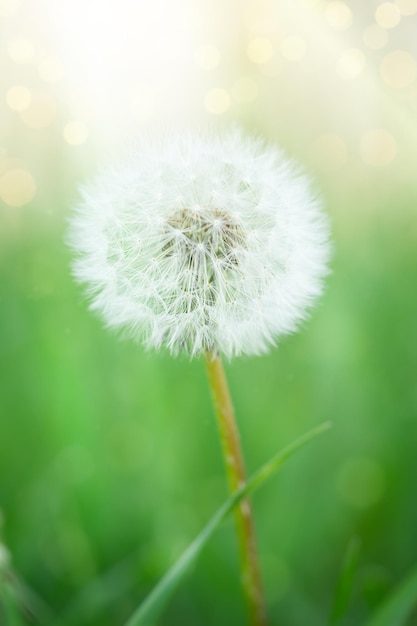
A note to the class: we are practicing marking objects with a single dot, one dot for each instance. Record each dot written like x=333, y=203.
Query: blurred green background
x=109, y=457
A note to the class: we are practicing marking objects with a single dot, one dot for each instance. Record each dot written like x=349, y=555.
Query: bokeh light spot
x=293, y=48
x=407, y=7
x=17, y=187
x=338, y=15
x=50, y=70
x=41, y=111
x=329, y=151
x=207, y=57
x=217, y=101
x=21, y=50
x=351, y=64
x=375, y=37
x=260, y=50
x=75, y=133
x=18, y=98
x=387, y=15
x=361, y=482
x=378, y=147
x=398, y=69
x=245, y=89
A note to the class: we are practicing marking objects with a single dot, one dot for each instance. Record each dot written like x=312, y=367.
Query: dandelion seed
x=234, y=244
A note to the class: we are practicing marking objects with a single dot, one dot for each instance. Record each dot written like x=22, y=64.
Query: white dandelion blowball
x=202, y=243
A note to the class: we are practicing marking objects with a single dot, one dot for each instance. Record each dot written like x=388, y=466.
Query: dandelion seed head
x=198, y=242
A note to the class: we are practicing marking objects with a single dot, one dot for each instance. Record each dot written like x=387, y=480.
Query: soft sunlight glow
x=375, y=37
x=18, y=98
x=378, y=147
x=207, y=57
x=387, y=15
x=21, y=50
x=293, y=48
x=9, y=7
x=17, y=187
x=351, y=64
x=217, y=101
x=40, y=112
x=142, y=102
x=109, y=51
x=338, y=15
x=398, y=69
x=50, y=70
x=75, y=133
x=260, y=50
x=273, y=68
x=245, y=89
x=314, y=4
x=407, y=7
x=329, y=151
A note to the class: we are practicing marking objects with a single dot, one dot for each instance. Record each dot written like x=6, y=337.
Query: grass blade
x=98, y=595
x=153, y=605
x=10, y=605
x=17, y=598
x=345, y=582
x=396, y=609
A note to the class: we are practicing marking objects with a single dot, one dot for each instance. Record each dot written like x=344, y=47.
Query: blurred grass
x=109, y=455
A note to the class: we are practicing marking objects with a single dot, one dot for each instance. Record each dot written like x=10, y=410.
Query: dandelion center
x=204, y=249
x=205, y=240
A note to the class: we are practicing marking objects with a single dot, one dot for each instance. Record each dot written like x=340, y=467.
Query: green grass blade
x=345, y=582
x=98, y=595
x=31, y=603
x=396, y=609
x=152, y=607
x=10, y=604
x=20, y=600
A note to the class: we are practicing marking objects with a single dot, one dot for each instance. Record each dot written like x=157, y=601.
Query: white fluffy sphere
x=202, y=243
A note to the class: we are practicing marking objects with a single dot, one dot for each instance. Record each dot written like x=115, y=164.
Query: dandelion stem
x=233, y=459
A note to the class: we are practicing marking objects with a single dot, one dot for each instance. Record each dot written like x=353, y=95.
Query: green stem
x=235, y=468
